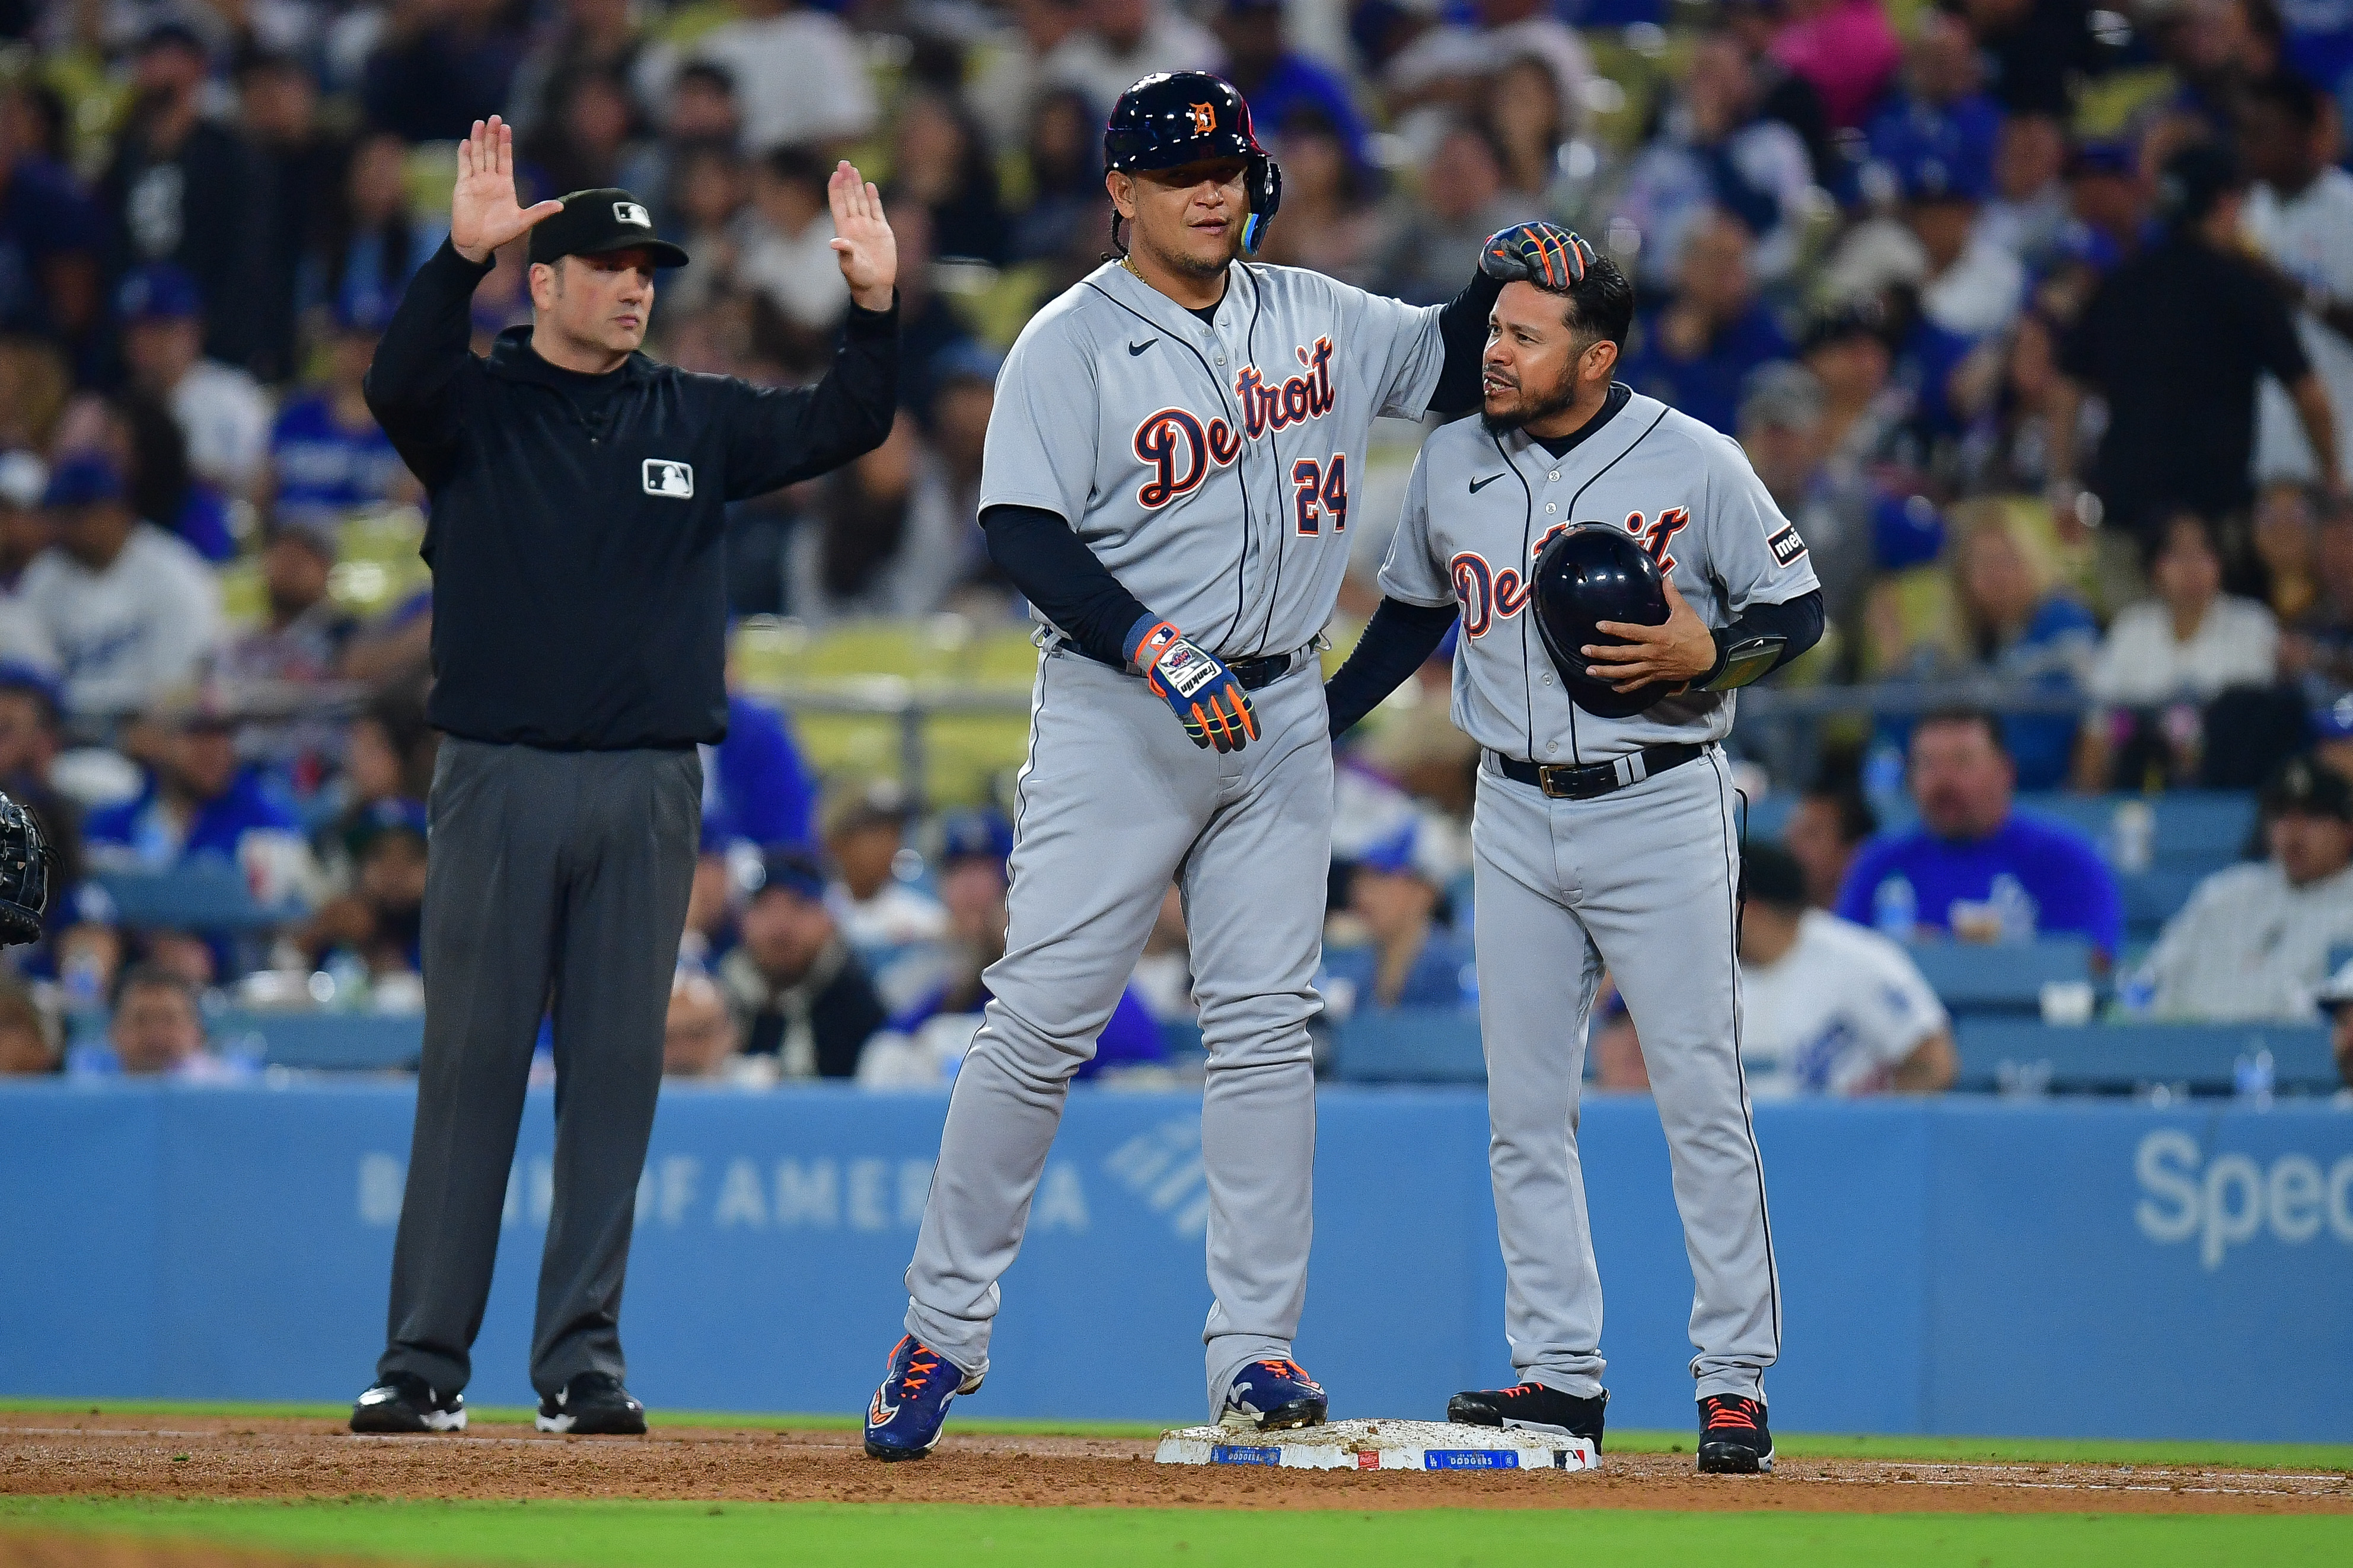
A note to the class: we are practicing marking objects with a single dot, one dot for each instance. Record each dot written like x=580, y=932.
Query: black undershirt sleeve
x=1399, y=641
x=1062, y=579
x=1798, y=619
x=1462, y=328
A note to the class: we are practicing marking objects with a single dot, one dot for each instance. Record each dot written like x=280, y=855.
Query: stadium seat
x=204, y=895
x=1410, y=1045
x=2005, y=977
x=340, y=1041
x=2116, y=1059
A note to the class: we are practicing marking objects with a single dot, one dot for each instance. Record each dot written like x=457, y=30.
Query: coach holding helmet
x=579, y=492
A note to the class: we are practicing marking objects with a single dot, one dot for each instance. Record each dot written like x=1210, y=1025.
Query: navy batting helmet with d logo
x=1174, y=118
x=1584, y=576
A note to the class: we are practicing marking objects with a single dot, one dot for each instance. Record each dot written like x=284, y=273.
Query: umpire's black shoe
x=1532, y=1407
x=406, y=1403
x=593, y=1404
x=1733, y=1437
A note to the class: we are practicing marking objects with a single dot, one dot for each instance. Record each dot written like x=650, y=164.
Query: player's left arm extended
x=1462, y=328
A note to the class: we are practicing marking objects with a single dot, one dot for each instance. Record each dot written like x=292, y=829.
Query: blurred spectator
x=940, y=161
x=1865, y=414
x=1783, y=95
x=1827, y=1006
x=2007, y=450
x=1007, y=88
x=1280, y=83
x=2039, y=50
x=896, y=928
x=1395, y=890
x=1067, y=206
x=1975, y=868
x=31, y=736
x=798, y=991
x=380, y=921
x=700, y=1037
x=1940, y=111
x=51, y=241
x=221, y=410
x=2299, y=219
x=1714, y=150
x=589, y=136
x=2256, y=940
x=2109, y=200
x=2320, y=644
x=24, y=532
x=784, y=244
x=1164, y=975
x=1968, y=285
x=584, y=35
x=157, y=1030
x=29, y=1045
x=370, y=242
x=2181, y=406
x=799, y=76
x=1127, y=40
x=440, y=64
x=388, y=754
x=2027, y=216
x=300, y=646
x=2337, y=1002
x=328, y=456
x=1460, y=203
x=930, y=324
x=1698, y=351
x=892, y=533
x=2023, y=629
x=1829, y=824
x=1448, y=68
x=2191, y=640
x=133, y=611
x=1845, y=48
x=2287, y=550
x=1336, y=226
x=754, y=780
x=301, y=166
x=1543, y=166
x=183, y=188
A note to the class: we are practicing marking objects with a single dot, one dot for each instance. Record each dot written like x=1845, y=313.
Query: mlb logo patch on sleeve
x=1785, y=545
x=676, y=481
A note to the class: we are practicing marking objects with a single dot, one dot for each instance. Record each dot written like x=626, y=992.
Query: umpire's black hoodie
x=579, y=584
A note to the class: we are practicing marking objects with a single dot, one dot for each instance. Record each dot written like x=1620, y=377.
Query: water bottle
x=1895, y=908
x=1882, y=782
x=2255, y=1077
x=2132, y=836
x=84, y=982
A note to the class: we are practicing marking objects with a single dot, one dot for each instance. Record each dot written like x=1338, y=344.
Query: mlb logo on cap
x=631, y=212
x=664, y=477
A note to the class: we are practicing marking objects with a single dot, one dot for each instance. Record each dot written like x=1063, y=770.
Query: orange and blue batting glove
x=1196, y=684
x=1544, y=253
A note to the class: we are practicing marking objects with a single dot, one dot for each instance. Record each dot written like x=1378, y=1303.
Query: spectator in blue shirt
x=1698, y=349
x=2024, y=630
x=372, y=243
x=1279, y=82
x=759, y=783
x=328, y=456
x=49, y=242
x=1413, y=959
x=198, y=802
x=1940, y=111
x=1975, y=868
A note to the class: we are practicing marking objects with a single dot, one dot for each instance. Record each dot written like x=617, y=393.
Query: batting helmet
x=24, y=874
x=1584, y=576
x=1174, y=118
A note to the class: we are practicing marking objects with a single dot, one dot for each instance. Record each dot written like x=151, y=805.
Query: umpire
x=578, y=495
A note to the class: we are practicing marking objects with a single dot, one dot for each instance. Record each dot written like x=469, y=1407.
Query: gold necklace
x=1132, y=272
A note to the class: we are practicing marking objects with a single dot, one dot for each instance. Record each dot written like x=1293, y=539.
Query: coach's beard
x=1529, y=410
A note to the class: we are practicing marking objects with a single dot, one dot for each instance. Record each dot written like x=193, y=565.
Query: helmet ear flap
x=1265, y=176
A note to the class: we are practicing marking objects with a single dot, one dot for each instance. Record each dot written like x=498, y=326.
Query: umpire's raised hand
x=863, y=242
x=483, y=211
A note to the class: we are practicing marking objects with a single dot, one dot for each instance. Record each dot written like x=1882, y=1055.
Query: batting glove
x=1196, y=686
x=1543, y=254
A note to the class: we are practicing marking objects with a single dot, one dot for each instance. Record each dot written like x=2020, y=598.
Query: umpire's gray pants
x=1641, y=880
x=558, y=883
x=1114, y=801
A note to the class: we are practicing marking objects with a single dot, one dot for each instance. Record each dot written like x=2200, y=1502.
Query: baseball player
x=1604, y=831
x=1168, y=477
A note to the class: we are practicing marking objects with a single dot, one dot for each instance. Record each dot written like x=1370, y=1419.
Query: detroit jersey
x=1481, y=505
x=1210, y=467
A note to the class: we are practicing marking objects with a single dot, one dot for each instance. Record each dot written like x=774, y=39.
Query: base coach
x=578, y=494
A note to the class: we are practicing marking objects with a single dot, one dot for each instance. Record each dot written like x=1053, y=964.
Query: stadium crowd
x=2036, y=316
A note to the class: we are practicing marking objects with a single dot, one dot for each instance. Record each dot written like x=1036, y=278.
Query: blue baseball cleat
x=912, y=1405
x=1273, y=1396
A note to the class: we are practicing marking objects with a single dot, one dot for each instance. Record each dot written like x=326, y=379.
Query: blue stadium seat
x=204, y=895
x=2001, y=1053
x=2154, y=896
x=2006, y=977
x=1410, y=1045
x=354, y=1042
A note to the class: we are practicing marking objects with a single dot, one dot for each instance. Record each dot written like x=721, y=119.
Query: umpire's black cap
x=593, y=223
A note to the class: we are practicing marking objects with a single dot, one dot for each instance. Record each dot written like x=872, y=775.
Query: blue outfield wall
x=1961, y=1267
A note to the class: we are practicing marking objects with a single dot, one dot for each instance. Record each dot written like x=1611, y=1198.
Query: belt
x=1566, y=781
x=1249, y=674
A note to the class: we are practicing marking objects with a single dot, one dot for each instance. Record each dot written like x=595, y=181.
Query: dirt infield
x=105, y=1455
x=100, y=1551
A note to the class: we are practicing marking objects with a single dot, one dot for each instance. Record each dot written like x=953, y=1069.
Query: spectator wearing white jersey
x=798, y=75
x=1828, y=1006
x=2255, y=942
x=2299, y=221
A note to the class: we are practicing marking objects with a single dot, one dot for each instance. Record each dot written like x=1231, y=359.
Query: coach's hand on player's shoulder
x=1678, y=652
x=863, y=243
x=483, y=211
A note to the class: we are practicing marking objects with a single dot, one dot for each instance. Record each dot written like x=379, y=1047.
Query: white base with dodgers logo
x=1381, y=1445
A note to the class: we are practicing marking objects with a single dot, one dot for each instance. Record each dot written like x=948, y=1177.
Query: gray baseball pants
x=1116, y=802
x=558, y=883
x=1640, y=881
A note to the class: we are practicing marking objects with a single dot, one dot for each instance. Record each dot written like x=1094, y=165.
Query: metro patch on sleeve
x=1785, y=545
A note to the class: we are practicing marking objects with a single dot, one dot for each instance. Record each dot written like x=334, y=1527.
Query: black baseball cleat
x=404, y=1402
x=1531, y=1407
x=1733, y=1437
x=593, y=1404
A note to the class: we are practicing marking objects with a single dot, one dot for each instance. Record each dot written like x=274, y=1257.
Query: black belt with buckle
x=1249, y=674
x=1568, y=782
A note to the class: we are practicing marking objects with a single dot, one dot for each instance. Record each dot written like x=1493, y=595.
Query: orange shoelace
x=1732, y=1417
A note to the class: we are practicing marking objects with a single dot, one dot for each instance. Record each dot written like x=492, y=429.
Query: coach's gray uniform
x=1641, y=880
x=1208, y=467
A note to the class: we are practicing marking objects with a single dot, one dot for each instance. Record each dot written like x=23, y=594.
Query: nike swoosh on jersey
x=1135, y=349
x=1478, y=484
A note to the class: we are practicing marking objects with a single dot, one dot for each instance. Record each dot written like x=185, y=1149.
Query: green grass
x=1806, y=1446
x=739, y=1535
